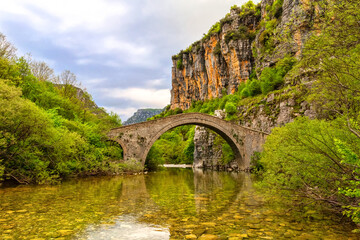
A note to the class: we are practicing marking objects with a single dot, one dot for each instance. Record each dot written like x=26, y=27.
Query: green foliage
x=227, y=153
x=294, y=156
x=352, y=160
x=189, y=49
x=226, y=20
x=255, y=163
x=269, y=24
x=216, y=28
x=217, y=49
x=247, y=9
x=45, y=134
x=253, y=88
x=179, y=64
x=234, y=7
x=2, y=168
x=273, y=78
x=276, y=8
x=242, y=33
x=175, y=146
x=230, y=108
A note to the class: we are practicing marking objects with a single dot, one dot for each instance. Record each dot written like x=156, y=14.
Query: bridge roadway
x=137, y=139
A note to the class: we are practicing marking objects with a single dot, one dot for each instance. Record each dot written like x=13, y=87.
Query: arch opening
x=115, y=150
x=179, y=153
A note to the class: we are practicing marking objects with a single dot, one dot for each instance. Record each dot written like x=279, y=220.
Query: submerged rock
x=208, y=237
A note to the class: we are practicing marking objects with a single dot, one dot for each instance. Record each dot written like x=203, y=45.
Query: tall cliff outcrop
x=246, y=41
x=238, y=48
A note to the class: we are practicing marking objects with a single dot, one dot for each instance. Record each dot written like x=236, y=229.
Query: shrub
x=216, y=28
x=313, y=158
x=230, y=108
x=234, y=7
x=217, y=49
x=245, y=92
x=179, y=64
x=276, y=8
x=273, y=78
x=247, y=9
x=254, y=88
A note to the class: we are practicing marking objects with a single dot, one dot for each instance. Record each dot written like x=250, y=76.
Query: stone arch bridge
x=137, y=139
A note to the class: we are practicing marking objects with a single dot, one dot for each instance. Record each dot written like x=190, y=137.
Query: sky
x=119, y=50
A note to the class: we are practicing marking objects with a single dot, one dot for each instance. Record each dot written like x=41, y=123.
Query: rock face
x=243, y=42
x=213, y=66
x=207, y=153
x=141, y=115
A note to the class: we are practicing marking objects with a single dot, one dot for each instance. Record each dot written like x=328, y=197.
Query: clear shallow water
x=173, y=204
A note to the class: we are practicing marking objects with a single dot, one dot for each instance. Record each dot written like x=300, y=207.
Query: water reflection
x=124, y=228
x=177, y=203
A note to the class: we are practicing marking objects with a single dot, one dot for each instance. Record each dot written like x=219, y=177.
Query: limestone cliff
x=241, y=45
x=244, y=42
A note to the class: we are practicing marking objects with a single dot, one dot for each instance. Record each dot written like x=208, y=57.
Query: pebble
x=208, y=237
x=208, y=224
x=191, y=236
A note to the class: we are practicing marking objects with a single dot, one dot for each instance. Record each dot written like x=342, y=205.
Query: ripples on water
x=172, y=204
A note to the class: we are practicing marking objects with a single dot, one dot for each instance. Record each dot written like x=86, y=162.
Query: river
x=170, y=204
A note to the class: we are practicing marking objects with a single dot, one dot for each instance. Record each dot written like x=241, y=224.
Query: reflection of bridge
x=137, y=139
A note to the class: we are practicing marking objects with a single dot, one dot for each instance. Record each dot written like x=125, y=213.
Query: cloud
x=141, y=96
x=153, y=83
x=84, y=61
x=124, y=113
x=65, y=15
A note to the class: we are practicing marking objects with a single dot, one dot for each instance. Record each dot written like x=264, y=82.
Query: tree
x=7, y=50
x=302, y=159
x=67, y=80
x=42, y=71
x=334, y=56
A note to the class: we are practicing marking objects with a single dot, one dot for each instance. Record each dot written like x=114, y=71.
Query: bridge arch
x=137, y=139
x=193, y=120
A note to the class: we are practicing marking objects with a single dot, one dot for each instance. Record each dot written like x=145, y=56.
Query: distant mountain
x=141, y=115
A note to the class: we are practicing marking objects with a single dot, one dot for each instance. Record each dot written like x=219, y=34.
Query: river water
x=170, y=204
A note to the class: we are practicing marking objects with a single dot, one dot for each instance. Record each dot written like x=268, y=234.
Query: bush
x=179, y=64
x=276, y=8
x=216, y=28
x=307, y=157
x=273, y=78
x=230, y=108
x=254, y=88
x=247, y=9
x=245, y=92
x=217, y=49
